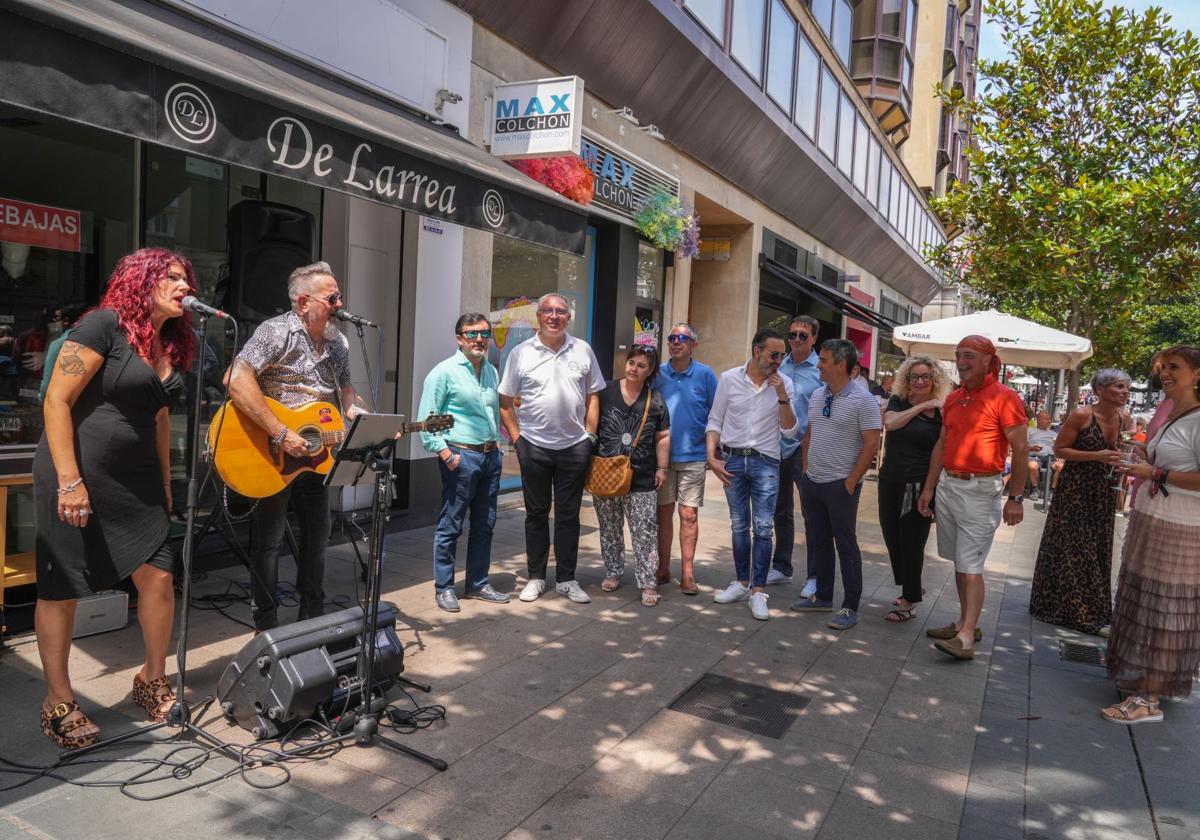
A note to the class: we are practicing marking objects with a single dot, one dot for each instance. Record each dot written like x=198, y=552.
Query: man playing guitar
x=296, y=358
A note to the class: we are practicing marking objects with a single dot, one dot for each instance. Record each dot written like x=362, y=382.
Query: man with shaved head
x=981, y=420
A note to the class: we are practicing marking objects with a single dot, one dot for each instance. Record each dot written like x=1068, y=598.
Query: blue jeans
x=473, y=486
x=751, y=499
x=831, y=518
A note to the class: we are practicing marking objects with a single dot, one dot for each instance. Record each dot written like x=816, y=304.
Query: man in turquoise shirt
x=688, y=388
x=464, y=386
x=800, y=366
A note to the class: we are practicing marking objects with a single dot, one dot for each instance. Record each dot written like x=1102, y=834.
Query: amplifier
x=100, y=613
x=284, y=675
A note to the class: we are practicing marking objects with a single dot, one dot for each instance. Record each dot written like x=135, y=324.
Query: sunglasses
x=828, y=409
x=676, y=338
x=332, y=299
x=775, y=357
x=919, y=377
x=798, y=335
x=554, y=310
x=474, y=334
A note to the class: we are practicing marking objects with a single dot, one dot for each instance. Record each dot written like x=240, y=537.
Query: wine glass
x=1118, y=472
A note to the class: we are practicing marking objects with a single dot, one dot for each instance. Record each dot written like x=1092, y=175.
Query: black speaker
x=285, y=675
x=267, y=242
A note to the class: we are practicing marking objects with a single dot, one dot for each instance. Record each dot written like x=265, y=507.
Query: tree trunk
x=1073, y=374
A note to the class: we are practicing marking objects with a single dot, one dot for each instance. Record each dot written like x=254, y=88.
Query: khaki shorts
x=684, y=484
x=968, y=514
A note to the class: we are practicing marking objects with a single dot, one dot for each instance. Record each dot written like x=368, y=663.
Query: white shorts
x=683, y=484
x=968, y=514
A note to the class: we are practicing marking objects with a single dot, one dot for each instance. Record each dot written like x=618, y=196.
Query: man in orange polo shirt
x=980, y=421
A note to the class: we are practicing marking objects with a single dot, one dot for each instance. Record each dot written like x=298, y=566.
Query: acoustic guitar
x=254, y=467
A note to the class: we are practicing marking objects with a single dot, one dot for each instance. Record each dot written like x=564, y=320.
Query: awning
x=146, y=71
x=839, y=301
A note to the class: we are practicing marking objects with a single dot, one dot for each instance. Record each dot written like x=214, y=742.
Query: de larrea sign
x=537, y=118
x=291, y=143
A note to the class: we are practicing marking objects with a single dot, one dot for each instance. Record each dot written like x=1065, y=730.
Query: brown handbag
x=610, y=476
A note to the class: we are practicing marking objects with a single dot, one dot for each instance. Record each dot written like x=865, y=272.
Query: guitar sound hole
x=312, y=437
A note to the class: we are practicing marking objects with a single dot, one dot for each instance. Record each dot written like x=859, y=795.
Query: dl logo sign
x=190, y=113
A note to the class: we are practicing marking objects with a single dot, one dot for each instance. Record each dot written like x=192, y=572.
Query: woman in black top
x=102, y=473
x=622, y=406
x=913, y=420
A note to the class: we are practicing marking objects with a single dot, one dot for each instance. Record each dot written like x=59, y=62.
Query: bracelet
x=278, y=439
x=67, y=488
x=661, y=469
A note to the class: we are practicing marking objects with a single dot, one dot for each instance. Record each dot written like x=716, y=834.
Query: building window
x=887, y=63
x=894, y=199
x=843, y=17
x=746, y=45
x=860, y=155
x=862, y=59
x=890, y=11
x=912, y=25
x=845, y=152
x=808, y=71
x=781, y=54
x=711, y=14
x=823, y=12
x=885, y=184
x=873, y=170
x=827, y=137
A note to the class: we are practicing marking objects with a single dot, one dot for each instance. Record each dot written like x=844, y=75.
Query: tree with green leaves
x=1083, y=206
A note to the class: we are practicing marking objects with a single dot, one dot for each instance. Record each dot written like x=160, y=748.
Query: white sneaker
x=734, y=592
x=810, y=588
x=775, y=576
x=573, y=590
x=533, y=590
x=758, y=606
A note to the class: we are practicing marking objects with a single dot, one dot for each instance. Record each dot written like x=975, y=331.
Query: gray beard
x=329, y=332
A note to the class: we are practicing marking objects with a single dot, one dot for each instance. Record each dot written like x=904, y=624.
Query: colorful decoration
x=669, y=223
x=645, y=332
x=567, y=175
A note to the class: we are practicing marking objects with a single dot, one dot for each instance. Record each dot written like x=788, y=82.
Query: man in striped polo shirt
x=844, y=425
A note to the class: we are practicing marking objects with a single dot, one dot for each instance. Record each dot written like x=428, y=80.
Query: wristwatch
x=1017, y=499
x=784, y=402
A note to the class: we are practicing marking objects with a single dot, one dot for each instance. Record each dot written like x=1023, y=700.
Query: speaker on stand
x=267, y=242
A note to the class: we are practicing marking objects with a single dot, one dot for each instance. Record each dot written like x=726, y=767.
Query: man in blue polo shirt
x=688, y=387
x=844, y=427
x=800, y=366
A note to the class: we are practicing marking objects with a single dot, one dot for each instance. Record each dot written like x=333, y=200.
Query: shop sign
x=623, y=181
x=40, y=225
x=538, y=118
x=714, y=249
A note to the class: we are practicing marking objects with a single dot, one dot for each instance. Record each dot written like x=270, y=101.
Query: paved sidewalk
x=557, y=725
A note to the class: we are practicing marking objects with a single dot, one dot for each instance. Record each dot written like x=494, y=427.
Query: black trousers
x=790, y=470
x=310, y=499
x=552, y=476
x=905, y=538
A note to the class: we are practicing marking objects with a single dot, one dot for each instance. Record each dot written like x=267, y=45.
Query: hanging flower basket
x=567, y=175
x=669, y=223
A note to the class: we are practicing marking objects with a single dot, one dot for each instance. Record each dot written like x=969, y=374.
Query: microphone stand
x=180, y=714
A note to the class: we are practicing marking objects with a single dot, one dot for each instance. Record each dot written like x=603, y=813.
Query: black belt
x=744, y=451
x=475, y=447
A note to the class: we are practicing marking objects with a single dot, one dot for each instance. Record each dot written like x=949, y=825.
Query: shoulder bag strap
x=645, y=414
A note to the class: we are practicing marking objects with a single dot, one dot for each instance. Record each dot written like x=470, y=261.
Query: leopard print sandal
x=58, y=729
x=156, y=697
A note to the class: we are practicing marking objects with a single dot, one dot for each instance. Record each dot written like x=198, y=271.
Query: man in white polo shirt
x=844, y=426
x=557, y=377
x=752, y=406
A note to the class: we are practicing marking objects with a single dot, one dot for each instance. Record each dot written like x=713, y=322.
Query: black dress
x=619, y=425
x=115, y=447
x=1072, y=579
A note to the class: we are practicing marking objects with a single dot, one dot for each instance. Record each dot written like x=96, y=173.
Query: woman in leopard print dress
x=1072, y=580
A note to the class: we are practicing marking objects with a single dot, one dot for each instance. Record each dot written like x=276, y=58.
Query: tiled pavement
x=557, y=723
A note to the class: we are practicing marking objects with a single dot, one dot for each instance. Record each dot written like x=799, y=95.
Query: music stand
x=370, y=446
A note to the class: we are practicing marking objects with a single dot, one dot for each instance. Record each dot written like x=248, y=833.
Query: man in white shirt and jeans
x=752, y=406
x=557, y=378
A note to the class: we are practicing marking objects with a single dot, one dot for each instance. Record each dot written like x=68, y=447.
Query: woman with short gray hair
x=1072, y=579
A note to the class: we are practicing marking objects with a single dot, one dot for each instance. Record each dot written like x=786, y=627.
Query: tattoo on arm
x=68, y=359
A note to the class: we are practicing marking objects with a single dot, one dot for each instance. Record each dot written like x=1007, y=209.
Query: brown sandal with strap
x=156, y=697
x=60, y=732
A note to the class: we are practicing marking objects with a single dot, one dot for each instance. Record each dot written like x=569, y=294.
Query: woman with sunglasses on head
x=913, y=420
x=102, y=477
x=1154, y=648
x=634, y=421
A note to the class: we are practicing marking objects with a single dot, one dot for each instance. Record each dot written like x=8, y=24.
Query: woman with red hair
x=102, y=476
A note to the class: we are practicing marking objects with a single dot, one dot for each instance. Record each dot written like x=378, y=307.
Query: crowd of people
x=797, y=418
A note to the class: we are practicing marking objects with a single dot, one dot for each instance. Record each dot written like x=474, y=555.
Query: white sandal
x=1131, y=710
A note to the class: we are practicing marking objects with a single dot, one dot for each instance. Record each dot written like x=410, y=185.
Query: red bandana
x=982, y=344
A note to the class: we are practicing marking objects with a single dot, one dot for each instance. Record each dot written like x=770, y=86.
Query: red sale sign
x=39, y=225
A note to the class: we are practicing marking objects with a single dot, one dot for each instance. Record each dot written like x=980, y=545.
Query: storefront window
x=66, y=217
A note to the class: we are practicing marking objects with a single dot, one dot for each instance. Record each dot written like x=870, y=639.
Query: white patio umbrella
x=1023, y=379
x=1018, y=342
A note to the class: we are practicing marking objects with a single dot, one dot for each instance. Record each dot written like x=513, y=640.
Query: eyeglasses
x=677, y=338
x=918, y=377
x=799, y=335
x=828, y=409
x=775, y=357
x=554, y=310
x=332, y=299
x=474, y=334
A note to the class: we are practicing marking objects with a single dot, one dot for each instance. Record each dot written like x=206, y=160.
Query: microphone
x=192, y=304
x=343, y=315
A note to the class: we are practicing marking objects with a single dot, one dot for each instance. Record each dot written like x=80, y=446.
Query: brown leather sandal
x=156, y=697
x=56, y=727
